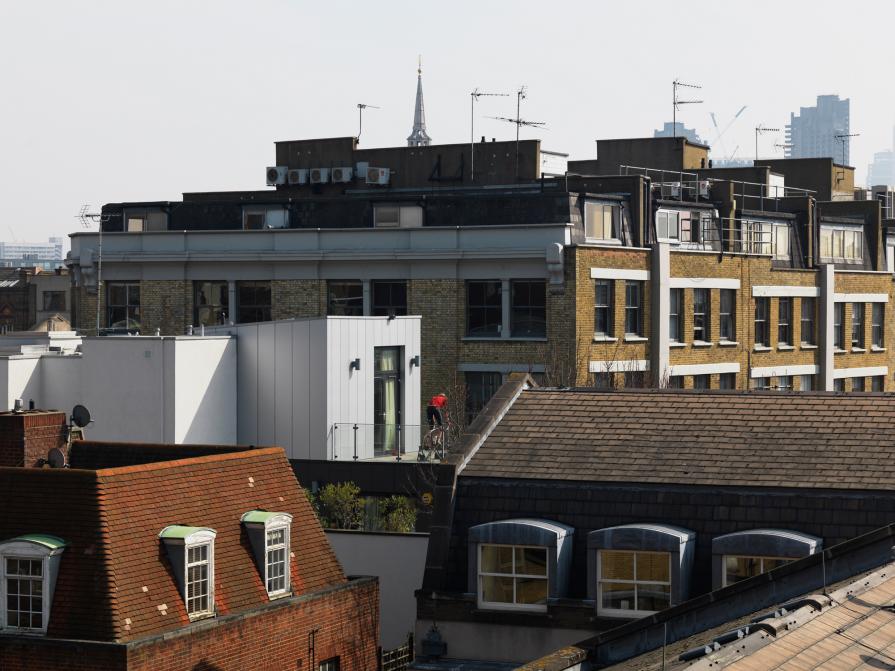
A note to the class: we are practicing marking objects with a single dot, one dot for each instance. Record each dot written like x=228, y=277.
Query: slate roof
x=114, y=576
x=772, y=439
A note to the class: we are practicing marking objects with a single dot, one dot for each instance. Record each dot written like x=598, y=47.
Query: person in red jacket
x=436, y=409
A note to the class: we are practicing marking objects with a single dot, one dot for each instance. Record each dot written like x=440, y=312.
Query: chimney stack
x=27, y=436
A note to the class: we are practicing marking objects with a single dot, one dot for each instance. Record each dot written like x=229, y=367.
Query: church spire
x=419, y=137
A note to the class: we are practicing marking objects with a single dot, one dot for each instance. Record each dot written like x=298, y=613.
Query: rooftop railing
x=356, y=441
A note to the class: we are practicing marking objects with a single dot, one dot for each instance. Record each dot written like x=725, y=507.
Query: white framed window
x=633, y=583
x=191, y=553
x=601, y=221
x=199, y=579
x=270, y=535
x=806, y=382
x=28, y=569
x=513, y=577
x=737, y=568
x=668, y=225
x=841, y=243
x=766, y=237
x=397, y=216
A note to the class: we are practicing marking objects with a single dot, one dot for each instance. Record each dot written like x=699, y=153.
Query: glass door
x=387, y=400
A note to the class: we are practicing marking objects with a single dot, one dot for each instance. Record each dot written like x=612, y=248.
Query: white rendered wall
x=204, y=390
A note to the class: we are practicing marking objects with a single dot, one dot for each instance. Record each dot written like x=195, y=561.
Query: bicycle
x=435, y=442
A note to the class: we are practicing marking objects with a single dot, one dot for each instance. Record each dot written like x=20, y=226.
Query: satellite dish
x=80, y=416
x=56, y=458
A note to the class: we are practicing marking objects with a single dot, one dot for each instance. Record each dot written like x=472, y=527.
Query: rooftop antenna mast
x=87, y=219
x=519, y=121
x=759, y=129
x=360, y=117
x=473, y=98
x=844, y=140
x=676, y=102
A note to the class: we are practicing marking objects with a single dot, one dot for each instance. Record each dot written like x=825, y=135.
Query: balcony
x=354, y=441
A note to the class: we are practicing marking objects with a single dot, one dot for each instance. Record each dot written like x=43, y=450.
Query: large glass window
x=675, y=316
x=701, y=381
x=484, y=308
x=809, y=314
x=839, y=384
x=600, y=221
x=24, y=580
x=633, y=583
x=857, y=384
x=528, y=309
x=878, y=382
x=480, y=387
x=728, y=324
x=762, y=322
x=806, y=382
x=839, y=326
x=727, y=381
x=857, y=325
x=844, y=244
x=742, y=568
x=387, y=399
x=634, y=308
x=253, y=302
x=702, y=308
x=766, y=237
x=345, y=298
x=389, y=298
x=877, y=329
x=212, y=303
x=124, y=305
x=513, y=576
x=198, y=579
x=784, y=321
x=603, y=308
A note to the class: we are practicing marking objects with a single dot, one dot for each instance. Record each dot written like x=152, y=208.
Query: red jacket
x=439, y=401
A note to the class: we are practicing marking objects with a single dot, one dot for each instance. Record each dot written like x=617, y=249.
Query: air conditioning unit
x=671, y=189
x=378, y=175
x=342, y=175
x=299, y=176
x=276, y=175
x=318, y=175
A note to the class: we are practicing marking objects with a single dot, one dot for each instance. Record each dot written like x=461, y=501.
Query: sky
x=108, y=101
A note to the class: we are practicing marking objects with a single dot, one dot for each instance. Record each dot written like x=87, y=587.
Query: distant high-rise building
x=678, y=129
x=46, y=255
x=812, y=132
x=882, y=170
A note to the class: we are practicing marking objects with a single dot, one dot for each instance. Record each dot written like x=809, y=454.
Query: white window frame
x=500, y=605
x=613, y=211
x=762, y=236
x=286, y=546
x=198, y=541
x=835, y=239
x=760, y=558
x=623, y=612
x=20, y=549
x=664, y=231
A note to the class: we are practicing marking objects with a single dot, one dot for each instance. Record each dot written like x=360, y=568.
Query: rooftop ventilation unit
x=378, y=175
x=342, y=175
x=299, y=176
x=276, y=175
x=319, y=175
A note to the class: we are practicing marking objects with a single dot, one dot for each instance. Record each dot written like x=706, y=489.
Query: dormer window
x=191, y=553
x=270, y=535
x=29, y=566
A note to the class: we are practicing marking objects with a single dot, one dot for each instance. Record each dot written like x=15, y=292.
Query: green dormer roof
x=51, y=542
x=178, y=531
x=258, y=516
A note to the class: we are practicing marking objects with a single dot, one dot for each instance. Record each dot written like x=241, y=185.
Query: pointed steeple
x=419, y=137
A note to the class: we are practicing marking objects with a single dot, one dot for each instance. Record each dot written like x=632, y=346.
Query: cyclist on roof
x=434, y=411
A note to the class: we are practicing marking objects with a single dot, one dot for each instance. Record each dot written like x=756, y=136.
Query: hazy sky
x=112, y=101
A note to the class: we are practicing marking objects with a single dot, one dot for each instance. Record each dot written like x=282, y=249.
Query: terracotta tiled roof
x=841, y=441
x=115, y=575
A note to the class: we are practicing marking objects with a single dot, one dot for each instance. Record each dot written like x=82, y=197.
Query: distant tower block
x=419, y=137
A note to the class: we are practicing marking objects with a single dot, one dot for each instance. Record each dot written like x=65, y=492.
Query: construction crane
x=721, y=131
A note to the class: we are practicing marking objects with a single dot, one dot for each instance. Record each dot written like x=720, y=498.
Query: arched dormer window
x=744, y=554
x=29, y=566
x=270, y=535
x=191, y=553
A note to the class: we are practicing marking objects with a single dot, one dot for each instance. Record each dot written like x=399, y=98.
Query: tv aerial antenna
x=88, y=219
x=677, y=102
x=760, y=130
x=360, y=117
x=844, y=140
x=519, y=121
x=473, y=99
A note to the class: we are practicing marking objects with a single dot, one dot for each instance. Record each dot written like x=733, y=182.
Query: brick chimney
x=27, y=437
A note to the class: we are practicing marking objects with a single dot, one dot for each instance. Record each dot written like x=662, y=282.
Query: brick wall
x=278, y=637
x=166, y=305
x=297, y=298
x=29, y=436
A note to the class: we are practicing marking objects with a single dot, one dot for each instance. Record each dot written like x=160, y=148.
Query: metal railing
x=358, y=441
x=398, y=659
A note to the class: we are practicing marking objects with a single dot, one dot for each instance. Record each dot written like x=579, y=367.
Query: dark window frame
x=877, y=325
x=675, y=315
x=251, y=305
x=477, y=385
x=341, y=301
x=634, y=308
x=219, y=309
x=727, y=324
x=604, y=308
x=858, y=313
x=483, y=309
x=763, y=321
x=808, y=320
x=387, y=298
x=128, y=311
x=702, y=315
x=784, y=321
x=528, y=309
